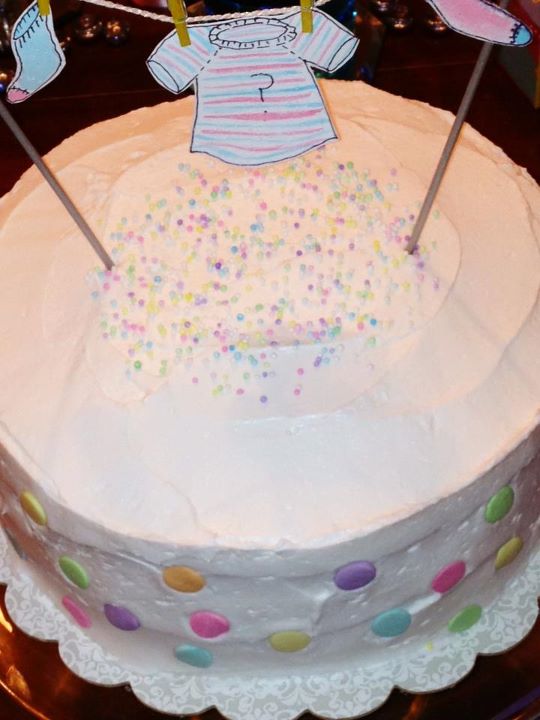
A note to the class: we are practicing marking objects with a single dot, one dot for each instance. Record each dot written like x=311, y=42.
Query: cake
x=269, y=440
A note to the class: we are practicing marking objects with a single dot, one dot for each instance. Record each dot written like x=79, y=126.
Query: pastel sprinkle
x=208, y=624
x=74, y=571
x=33, y=508
x=183, y=579
x=159, y=318
x=289, y=641
x=193, y=655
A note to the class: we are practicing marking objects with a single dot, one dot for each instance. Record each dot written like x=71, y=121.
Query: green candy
x=465, y=619
x=74, y=572
x=499, y=505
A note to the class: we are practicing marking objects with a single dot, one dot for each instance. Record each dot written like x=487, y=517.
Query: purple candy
x=355, y=575
x=121, y=617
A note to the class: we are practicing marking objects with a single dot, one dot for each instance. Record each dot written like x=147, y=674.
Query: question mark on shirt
x=264, y=87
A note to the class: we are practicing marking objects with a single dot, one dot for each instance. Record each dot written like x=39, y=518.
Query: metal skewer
x=451, y=141
x=55, y=185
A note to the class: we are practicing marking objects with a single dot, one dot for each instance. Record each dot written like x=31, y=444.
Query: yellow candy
x=289, y=641
x=508, y=552
x=33, y=508
x=183, y=579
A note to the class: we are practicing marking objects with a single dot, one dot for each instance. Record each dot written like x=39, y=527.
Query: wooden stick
x=177, y=8
x=450, y=144
x=306, y=16
x=55, y=185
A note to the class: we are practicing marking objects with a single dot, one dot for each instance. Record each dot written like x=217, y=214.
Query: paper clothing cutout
x=257, y=98
x=37, y=51
x=482, y=20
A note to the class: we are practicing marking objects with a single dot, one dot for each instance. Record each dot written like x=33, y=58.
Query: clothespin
x=178, y=11
x=306, y=16
x=44, y=7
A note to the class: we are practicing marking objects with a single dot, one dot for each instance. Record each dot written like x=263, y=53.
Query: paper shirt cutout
x=482, y=20
x=257, y=98
x=37, y=51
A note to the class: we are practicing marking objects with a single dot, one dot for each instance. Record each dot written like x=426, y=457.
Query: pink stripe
x=235, y=86
x=180, y=70
x=324, y=53
x=262, y=116
x=234, y=69
x=171, y=61
x=197, y=48
x=240, y=133
x=253, y=150
x=282, y=99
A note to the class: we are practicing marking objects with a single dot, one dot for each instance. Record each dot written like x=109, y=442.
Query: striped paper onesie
x=257, y=98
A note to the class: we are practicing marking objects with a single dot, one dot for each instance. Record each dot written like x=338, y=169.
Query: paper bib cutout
x=257, y=98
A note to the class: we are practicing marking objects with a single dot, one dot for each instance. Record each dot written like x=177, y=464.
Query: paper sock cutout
x=482, y=20
x=37, y=51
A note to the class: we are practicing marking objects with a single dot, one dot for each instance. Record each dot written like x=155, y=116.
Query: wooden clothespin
x=178, y=11
x=306, y=16
x=44, y=7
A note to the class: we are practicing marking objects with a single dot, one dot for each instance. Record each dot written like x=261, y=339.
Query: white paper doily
x=341, y=693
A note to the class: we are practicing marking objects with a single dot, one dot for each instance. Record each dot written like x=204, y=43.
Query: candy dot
x=76, y=612
x=465, y=618
x=289, y=641
x=121, y=617
x=499, y=505
x=355, y=575
x=192, y=655
x=508, y=552
x=209, y=624
x=449, y=576
x=183, y=579
x=74, y=571
x=33, y=508
x=391, y=622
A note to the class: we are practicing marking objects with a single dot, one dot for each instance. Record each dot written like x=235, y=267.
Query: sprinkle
x=203, y=310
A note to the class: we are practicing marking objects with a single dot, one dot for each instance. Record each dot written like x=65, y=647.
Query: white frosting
x=370, y=437
x=399, y=433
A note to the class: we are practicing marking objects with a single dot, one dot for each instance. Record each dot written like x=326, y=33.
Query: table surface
x=101, y=81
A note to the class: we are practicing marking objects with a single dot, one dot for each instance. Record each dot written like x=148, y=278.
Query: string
x=199, y=18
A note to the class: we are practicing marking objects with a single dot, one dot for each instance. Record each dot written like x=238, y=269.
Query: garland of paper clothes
x=40, y=58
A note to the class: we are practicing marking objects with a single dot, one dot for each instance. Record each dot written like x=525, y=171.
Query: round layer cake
x=270, y=439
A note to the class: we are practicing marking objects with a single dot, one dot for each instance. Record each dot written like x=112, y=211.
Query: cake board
x=337, y=692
